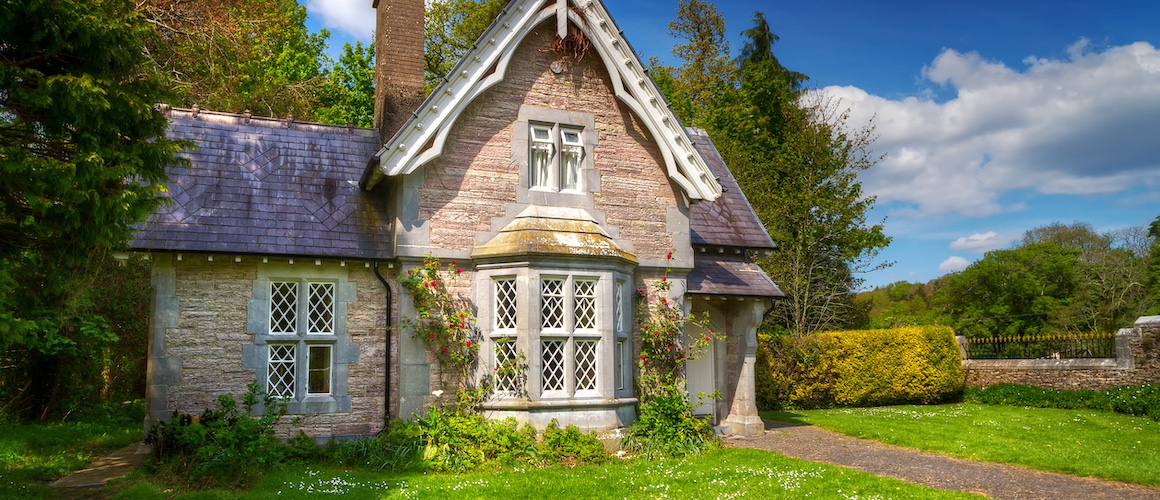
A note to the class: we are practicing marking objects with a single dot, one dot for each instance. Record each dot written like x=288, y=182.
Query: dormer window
x=556, y=157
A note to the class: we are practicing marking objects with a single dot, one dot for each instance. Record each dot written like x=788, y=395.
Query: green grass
x=1078, y=442
x=725, y=473
x=34, y=454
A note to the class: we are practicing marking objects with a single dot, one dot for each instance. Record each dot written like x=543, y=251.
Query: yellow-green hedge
x=860, y=368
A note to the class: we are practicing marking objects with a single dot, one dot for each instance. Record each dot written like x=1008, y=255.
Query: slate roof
x=732, y=275
x=265, y=186
x=729, y=221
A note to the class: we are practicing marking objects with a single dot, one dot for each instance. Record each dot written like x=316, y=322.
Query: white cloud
x=953, y=264
x=352, y=17
x=981, y=242
x=1085, y=125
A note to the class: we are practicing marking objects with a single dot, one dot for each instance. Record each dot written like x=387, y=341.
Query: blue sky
x=995, y=116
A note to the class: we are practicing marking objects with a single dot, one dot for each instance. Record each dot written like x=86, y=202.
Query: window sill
x=526, y=405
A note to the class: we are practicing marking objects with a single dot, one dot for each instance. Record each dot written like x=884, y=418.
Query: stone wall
x=199, y=338
x=477, y=178
x=1137, y=361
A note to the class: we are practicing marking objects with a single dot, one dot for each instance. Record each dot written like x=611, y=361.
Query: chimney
x=399, y=37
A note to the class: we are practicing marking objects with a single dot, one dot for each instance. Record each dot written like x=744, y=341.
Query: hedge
x=859, y=368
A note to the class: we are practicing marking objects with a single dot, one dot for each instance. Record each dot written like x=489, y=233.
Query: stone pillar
x=743, y=419
x=161, y=372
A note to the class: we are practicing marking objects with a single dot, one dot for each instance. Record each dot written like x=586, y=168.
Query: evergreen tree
x=83, y=156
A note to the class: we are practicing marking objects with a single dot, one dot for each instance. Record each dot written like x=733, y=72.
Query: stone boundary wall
x=1137, y=361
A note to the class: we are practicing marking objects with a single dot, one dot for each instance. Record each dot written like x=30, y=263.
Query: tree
x=234, y=55
x=348, y=94
x=1114, y=291
x=1013, y=292
x=1079, y=235
x=83, y=159
x=707, y=72
x=453, y=26
x=1154, y=266
x=794, y=156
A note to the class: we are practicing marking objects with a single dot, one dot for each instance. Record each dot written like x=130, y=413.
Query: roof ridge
x=221, y=117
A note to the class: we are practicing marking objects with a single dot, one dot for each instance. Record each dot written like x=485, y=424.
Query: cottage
x=559, y=184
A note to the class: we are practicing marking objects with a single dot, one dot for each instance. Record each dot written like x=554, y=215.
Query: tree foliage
x=234, y=55
x=83, y=154
x=1154, y=266
x=1058, y=279
x=793, y=154
x=348, y=94
x=453, y=26
x=1014, y=292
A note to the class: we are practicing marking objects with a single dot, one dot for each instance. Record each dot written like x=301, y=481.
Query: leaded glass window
x=321, y=308
x=505, y=304
x=552, y=304
x=283, y=307
x=505, y=357
x=584, y=304
x=552, y=372
x=280, y=370
x=298, y=324
x=585, y=365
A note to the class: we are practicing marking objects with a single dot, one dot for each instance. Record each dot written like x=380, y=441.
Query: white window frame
x=305, y=333
x=529, y=336
x=621, y=326
x=310, y=370
x=561, y=142
x=570, y=334
x=503, y=335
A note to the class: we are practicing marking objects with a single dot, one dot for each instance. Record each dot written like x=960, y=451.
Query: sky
x=994, y=116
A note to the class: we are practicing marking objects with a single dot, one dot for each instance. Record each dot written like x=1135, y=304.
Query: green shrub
x=859, y=368
x=1142, y=400
x=666, y=427
x=569, y=446
x=457, y=441
x=221, y=446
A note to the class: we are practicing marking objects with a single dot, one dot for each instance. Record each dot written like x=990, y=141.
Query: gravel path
x=937, y=471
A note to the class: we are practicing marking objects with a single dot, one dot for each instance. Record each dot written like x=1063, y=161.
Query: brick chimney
x=399, y=36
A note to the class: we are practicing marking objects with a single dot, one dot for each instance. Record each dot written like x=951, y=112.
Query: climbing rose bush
x=444, y=324
x=666, y=426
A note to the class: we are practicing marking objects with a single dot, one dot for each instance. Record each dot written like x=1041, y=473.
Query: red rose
x=664, y=278
x=670, y=255
x=443, y=350
x=458, y=270
x=432, y=335
x=468, y=343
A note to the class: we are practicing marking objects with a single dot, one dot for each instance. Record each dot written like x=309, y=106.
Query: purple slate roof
x=733, y=275
x=728, y=221
x=262, y=186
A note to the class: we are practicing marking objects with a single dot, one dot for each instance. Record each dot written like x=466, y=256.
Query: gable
x=424, y=136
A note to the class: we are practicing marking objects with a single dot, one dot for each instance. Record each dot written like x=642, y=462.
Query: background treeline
x=1059, y=278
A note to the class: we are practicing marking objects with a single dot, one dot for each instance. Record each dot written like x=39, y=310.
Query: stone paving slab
x=116, y=465
x=937, y=471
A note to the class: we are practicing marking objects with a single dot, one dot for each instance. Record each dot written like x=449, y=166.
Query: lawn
x=34, y=454
x=1079, y=442
x=725, y=473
